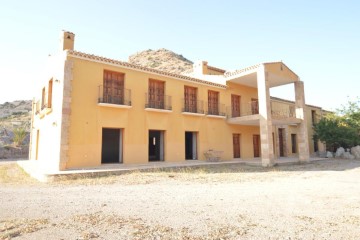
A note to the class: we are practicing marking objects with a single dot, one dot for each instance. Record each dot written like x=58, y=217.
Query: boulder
x=347, y=155
x=339, y=152
x=329, y=154
x=355, y=151
x=322, y=154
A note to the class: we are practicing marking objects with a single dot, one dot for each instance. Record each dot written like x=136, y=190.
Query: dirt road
x=314, y=201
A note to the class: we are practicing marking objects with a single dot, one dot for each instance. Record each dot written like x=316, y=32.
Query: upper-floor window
x=49, y=97
x=190, y=99
x=156, y=94
x=313, y=117
x=235, y=105
x=213, y=102
x=113, y=89
x=43, y=98
x=254, y=106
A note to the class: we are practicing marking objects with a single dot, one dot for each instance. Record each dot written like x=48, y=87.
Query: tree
x=340, y=129
x=19, y=136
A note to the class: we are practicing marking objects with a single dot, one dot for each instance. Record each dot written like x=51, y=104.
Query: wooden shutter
x=213, y=102
x=190, y=99
x=235, y=105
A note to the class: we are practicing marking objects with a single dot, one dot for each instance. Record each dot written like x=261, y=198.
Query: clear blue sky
x=319, y=40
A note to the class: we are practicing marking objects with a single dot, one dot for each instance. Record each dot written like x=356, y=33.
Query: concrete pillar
x=303, y=140
x=267, y=151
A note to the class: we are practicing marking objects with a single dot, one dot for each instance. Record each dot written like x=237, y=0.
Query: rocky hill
x=15, y=108
x=14, y=115
x=162, y=59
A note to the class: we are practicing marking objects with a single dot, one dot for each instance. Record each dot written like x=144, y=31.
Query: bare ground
x=320, y=200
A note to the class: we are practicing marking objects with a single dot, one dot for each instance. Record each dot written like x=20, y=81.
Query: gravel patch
x=320, y=200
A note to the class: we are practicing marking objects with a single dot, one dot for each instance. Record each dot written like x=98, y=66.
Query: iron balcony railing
x=192, y=106
x=241, y=110
x=158, y=101
x=285, y=112
x=252, y=109
x=216, y=110
x=119, y=96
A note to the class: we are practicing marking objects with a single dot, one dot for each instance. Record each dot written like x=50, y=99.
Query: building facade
x=93, y=110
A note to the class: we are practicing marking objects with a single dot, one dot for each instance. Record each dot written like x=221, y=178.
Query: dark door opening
x=156, y=145
x=281, y=142
x=236, y=145
x=190, y=146
x=256, y=145
x=111, y=146
x=293, y=143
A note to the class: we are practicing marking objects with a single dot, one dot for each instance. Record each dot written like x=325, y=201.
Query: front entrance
x=190, y=145
x=156, y=145
x=111, y=151
x=281, y=142
x=236, y=145
x=256, y=145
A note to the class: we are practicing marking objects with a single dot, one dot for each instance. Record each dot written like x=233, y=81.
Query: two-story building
x=94, y=110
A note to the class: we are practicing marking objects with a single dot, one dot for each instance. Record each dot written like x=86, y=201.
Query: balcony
x=158, y=103
x=116, y=98
x=192, y=107
x=248, y=114
x=218, y=110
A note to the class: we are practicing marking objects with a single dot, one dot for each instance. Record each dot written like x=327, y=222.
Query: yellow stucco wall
x=88, y=119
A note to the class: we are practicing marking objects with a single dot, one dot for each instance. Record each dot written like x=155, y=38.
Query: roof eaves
x=141, y=68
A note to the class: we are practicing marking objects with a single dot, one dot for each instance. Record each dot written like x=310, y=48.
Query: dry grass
x=16, y=227
x=13, y=174
x=212, y=173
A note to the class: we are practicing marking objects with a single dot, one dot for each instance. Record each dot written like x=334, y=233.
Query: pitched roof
x=95, y=58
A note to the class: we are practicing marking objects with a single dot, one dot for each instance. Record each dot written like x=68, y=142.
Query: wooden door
x=113, y=91
x=256, y=145
x=235, y=105
x=236, y=145
x=213, y=102
x=254, y=106
x=156, y=94
x=190, y=99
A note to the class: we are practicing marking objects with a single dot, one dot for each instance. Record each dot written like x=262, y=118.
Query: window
x=213, y=103
x=113, y=89
x=313, y=117
x=49, y=101
x=235, y=105
x=43, y=99
x=190, y=99
x=254, y=106
x=156, y=98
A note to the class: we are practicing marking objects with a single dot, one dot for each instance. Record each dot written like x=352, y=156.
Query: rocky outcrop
x=162, y=59
x=356, y=152
x=18, y=107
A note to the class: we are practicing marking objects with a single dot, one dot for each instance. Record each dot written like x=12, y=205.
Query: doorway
x=282, y=142
x=293, y=143
x=156, y=145
x=256, y=145
x=190, y=145
x=111, y=151
x=236, y=145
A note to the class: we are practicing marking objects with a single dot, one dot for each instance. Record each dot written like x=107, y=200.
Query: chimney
x=67, y=40
x=200, y=67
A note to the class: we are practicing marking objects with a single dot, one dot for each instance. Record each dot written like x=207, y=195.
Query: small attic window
x=68, y=37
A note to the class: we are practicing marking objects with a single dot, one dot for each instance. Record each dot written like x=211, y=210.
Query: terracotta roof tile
x=138, y=67
x=230, y=74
